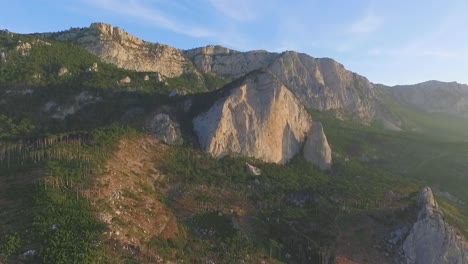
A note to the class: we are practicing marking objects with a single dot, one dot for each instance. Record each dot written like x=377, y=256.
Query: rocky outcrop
x=319, y=83
x=165, y=129
x=24, y=48
x=114, y=45
x=252, y=170
x=325, y=85
x=316, y=148
x=431, y=240
x=434, y=96
x=229, y=63
x=260, y=118
x=63, y=71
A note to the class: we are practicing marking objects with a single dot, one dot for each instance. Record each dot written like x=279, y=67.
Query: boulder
x=316, y=148
x=252, y=170
x=24, y=48
x=165, y=129
x=63, y=71
x=2, y=57
x=125, y=80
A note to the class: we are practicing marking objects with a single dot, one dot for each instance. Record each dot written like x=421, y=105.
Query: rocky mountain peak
x=116, y=46
x=325, y=85
x=426, y=200
x=432, y=240
x=117, y=34
x=228, y=63
x=318, y=83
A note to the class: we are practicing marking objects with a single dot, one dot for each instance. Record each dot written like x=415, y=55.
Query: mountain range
x=164, y=131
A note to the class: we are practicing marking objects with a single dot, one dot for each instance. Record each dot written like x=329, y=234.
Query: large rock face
x=114, y=45
x=321, y=84
x=325, y=85
x=434, y=96
x=318, y=83
x=229, y=63
x=261, y=118
x=431, y=240
x=316, y=148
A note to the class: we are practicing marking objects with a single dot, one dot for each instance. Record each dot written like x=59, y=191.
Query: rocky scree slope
x=431, y=240
x=260, y=118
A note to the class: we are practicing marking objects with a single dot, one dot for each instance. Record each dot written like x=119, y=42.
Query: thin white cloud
x=240, y=10
x=367, y=24
x=138, y=10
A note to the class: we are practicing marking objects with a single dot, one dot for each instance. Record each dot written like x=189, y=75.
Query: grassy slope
x=436, y=155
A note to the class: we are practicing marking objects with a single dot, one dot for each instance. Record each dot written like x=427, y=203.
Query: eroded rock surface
x=325, y=85
x=229, y=63
x=316, y=148
x=114, y=45
x=431, y=240
x=319, y=83
x=260, y=118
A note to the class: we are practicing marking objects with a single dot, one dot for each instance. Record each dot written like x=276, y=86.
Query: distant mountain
x=433, y=97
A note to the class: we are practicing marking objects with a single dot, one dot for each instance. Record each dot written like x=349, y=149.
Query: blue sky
x=390, y=42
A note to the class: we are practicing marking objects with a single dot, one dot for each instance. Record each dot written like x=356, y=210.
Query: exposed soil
x=126, y=196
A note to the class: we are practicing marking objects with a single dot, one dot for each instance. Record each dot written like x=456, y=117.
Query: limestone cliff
x=434, y=96
x=260, y=118
x=431, y=240
x=325, y=85
x=316, y=148
x=114, y=45
x=229, y=63
x=319, y=83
